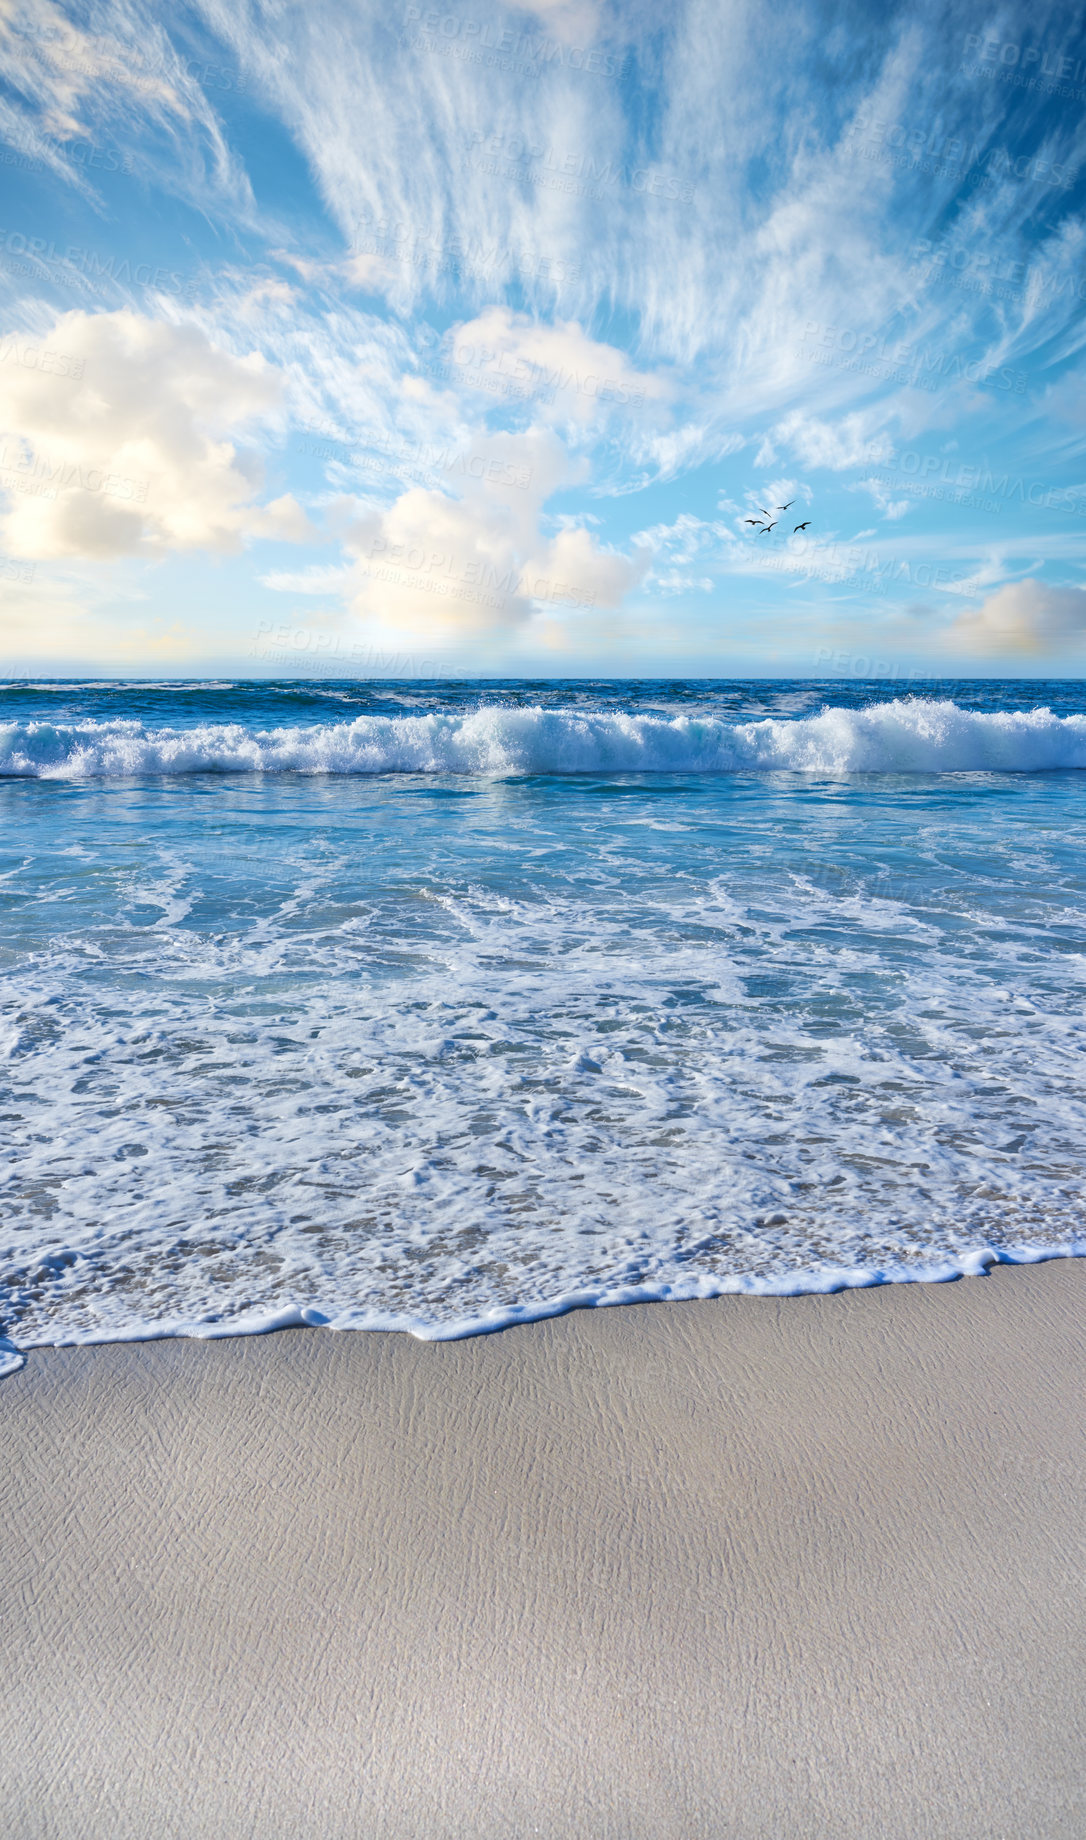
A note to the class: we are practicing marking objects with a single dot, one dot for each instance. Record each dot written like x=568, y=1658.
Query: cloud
x=1023, y=617
x=675, y=548
x=679, y=449
x=788, y=210
x=573, y=21
x=892, y=508
x=759, y=293
x=319, y=579
x=67, y=84
x=837, y=447
x=442, y=567
x=575, y=377
x=126, y=448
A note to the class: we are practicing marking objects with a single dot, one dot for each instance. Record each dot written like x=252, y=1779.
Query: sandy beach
x=748, y=1567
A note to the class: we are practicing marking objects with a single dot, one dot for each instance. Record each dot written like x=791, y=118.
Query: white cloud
x=574, y=377
x=1023, y=617
x=892, y=508
x=118, y=77
x=129, y=451
x=437, y=567
x=573, y=21
x=674, y=548
x=320, y=579
x=672, y=582
x=678, y=449
x=390, y=122
x=837, y=447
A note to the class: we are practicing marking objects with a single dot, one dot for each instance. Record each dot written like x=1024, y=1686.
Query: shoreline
x=830, y=1283
x=772, y=1566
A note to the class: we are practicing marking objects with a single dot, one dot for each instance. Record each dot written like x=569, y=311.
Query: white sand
x=745, y=1568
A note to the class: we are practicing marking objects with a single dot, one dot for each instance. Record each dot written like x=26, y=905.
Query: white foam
x=974, y=1264
x=358, y=1055
x=531, y=1106
x=10, y=1358
x=904, y=736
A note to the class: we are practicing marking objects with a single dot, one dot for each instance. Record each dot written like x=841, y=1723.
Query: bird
x=763, y=511
x=767, y=528
x=805, y=526
x=751, y=520
x=788, y=506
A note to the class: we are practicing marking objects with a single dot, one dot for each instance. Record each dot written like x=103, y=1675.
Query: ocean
x=439, y=1007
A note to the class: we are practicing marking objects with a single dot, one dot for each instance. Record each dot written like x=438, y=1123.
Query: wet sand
x=752, y=1568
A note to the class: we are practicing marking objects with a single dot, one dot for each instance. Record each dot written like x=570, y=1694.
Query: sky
x=358, y=339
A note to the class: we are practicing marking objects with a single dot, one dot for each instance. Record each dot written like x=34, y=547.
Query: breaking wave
x=910, y=735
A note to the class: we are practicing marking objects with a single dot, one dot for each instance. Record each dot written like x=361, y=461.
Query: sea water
x=443, y=1006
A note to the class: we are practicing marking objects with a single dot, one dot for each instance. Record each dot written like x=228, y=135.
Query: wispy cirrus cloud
x=662, y=265
x=73, y=76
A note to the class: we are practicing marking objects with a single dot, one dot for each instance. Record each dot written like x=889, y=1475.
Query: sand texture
x=748, y=1568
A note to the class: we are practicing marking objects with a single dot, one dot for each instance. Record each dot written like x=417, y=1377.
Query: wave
x=904, y=736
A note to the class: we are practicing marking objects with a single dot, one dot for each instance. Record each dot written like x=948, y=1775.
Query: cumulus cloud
x=1023, y=617
x=118, y=439
x=442, y=567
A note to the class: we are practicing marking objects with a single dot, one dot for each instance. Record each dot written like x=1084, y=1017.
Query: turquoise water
x=439, y=1007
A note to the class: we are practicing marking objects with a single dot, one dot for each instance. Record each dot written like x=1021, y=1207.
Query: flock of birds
x=764, y=528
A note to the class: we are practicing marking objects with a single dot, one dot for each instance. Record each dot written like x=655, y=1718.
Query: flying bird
x=767, y=528
x=751, y=520
x=788, y=506
x=763, y=511
x=805, y=526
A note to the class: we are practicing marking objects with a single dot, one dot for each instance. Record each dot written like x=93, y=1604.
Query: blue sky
x=344, y=338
